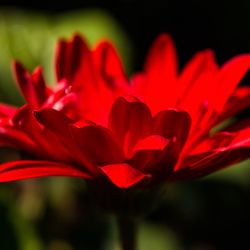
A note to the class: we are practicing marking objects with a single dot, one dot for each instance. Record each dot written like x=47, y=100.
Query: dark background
x=194, y=24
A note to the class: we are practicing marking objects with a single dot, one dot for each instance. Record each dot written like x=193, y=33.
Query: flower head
x=99, y=125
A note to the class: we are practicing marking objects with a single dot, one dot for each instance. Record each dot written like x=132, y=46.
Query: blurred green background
x=56, y=213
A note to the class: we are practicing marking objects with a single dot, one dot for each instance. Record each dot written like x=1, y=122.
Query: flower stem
x=127, y=230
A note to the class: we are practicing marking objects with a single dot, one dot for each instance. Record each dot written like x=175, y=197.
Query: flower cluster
x=98, y=124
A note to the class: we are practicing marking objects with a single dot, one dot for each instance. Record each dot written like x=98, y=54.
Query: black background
x=194, y=24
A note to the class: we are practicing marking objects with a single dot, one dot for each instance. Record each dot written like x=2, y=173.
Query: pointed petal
x=123, y=175
x=19, y=170
x=201, y=62
x=130, y=120
x=23, y=78
x=32, y=85
x=39, y=85
x=229, y=77
x=110, y=66
x=161, y=71
x=69, y=56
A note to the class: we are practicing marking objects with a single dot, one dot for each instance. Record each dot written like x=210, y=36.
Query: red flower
x=99, y=125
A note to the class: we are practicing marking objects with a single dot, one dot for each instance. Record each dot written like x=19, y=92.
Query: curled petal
x=124, y=176
x=155, y=155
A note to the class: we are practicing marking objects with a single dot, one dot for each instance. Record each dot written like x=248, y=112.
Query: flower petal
x=200, y=63
x=130, y=120
x=18, y=170
x=97, y=145
x=229, y=77
x=32, y=86
x=7, y=111
x=123, y=175
x=172, y=124
x=155, y=155
x=57, y=123
x=236, y=103
x=110, y=66
x=161, y=72
x=201, y=164
x=69, y=56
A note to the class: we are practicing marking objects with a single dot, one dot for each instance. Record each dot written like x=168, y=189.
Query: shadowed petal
x=172, y=124
x=155, y=155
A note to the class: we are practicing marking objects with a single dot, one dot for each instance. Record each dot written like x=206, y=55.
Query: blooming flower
x=99, y=125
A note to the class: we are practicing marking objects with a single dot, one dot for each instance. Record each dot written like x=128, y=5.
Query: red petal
x=7, y=110
x=130, y=120
x=123, y=175
x=14, y=138
x=32, y=86
x=201, y=62
x=221, y=139
x=69, y=56
x=110, y=67
x=206, y=163
x=153, y=142
x=155, y=155
x=24, y=81
x=59, y=125
x=25, y=121
x=18, y=170
x=201, y=164
x=229, y=77
x=161, y=71
x=97, y=145
x=172, y=124
x=237, y=102
x=39, y=85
